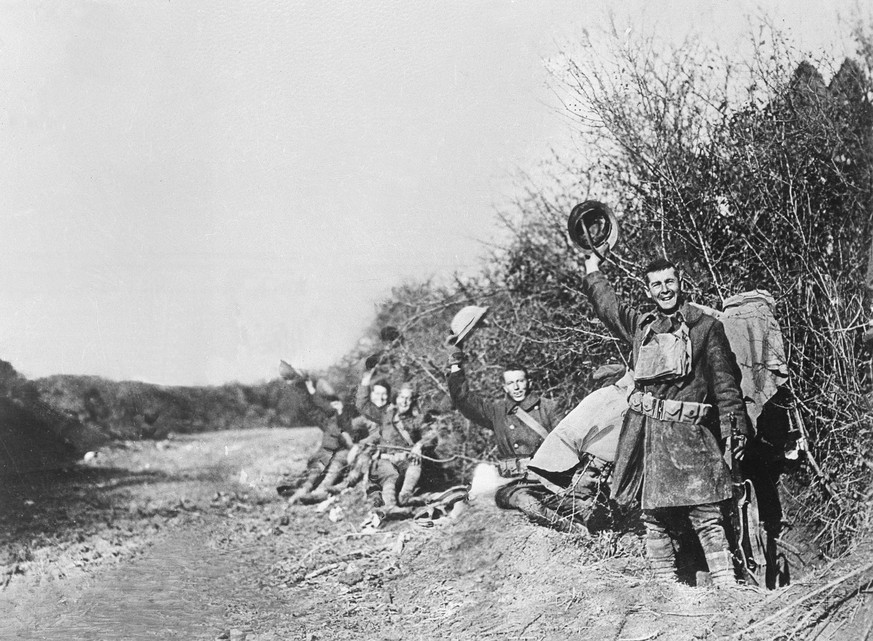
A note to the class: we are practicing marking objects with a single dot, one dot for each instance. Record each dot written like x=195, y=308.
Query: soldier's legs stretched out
x=410, y=483
x=315, y=467
x=359, y=468
x=382, y=489
x=584, y=498
x=335, y=468
x=529, y=496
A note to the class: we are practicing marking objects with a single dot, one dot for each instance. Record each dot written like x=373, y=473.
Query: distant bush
x=135, y=410
x=34, y=435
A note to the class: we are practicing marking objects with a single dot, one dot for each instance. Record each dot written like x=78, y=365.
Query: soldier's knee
x=523, y=501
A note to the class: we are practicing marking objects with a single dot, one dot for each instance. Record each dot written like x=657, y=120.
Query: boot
x=359, y=471
x=707, y=521
x=410, y=482
x=334, y=470
x=721, y=568
x=316, y=496
x=332, y=475
x=539, y=513
x=302, y=492
x=662, y=557
x=339, y=488
x=389, y=495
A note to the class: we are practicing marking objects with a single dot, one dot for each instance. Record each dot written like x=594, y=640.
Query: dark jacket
x=333, y=425
x=417, y=425
x=670, y=463
x=387, y=424
x=514, y=439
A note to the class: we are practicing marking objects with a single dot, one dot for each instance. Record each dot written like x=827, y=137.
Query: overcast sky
x=191, y=190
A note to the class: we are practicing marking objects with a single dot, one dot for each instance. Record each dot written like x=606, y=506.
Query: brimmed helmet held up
x=464, y=322
x=593, y=227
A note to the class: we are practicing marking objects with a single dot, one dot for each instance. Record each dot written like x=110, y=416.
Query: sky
x=190, y=191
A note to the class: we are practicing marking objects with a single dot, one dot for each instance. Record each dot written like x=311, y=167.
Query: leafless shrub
x=751, y=174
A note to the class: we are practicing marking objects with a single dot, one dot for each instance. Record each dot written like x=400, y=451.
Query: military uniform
x=669, y=453
x=326, y=466
x=516, y=441
x=388, y=464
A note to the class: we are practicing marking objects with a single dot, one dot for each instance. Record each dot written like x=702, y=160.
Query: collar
x=687, y=312
x=530, y=401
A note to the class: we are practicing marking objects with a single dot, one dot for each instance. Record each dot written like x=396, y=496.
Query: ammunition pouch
x=663, y=356
x=512, y=467
x=669, y=410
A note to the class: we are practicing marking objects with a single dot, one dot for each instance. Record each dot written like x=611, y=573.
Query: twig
x=654, y=634
x=868, y=630
x=336, y=539
x=803, y=599
x=530, y=623
x=426, y=370
x=322, y=570
x=689, y=614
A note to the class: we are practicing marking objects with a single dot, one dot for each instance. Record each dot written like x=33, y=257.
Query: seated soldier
x=418, y=430
x=326, y=466
x=520, y=421
x=400, y=434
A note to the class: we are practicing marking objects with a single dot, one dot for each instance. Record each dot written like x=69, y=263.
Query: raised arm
x=619, y=318
x=362, y=393
x=318, y=399
x=468, y=403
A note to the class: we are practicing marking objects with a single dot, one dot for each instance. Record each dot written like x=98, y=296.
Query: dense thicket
x=756, y=180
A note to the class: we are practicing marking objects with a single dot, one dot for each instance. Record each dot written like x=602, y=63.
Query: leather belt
x=510, y=467
x=668, y=409
x=393, y=457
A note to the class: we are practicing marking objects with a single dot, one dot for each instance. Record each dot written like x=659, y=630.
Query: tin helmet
x=464, y=322
x=593, y=227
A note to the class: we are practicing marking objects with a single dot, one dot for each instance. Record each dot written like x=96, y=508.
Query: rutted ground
x=186, y=539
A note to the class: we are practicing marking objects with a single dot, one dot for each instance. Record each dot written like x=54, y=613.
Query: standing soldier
x=686, y=391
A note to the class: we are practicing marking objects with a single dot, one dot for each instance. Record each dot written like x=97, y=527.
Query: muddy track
x=186, y=539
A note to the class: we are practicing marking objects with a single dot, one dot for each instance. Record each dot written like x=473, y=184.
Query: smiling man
x=670, y=451
x=520, y=420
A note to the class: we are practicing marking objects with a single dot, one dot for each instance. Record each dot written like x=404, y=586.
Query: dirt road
x=186, y=539
x=146, y=542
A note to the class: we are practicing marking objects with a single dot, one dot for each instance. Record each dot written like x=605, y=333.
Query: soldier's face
x=664, y=287
x=404, y=400
x=338, y=406
x=515, y=384
x=379, y=396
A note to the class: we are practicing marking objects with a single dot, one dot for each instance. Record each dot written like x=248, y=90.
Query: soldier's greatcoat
x=514, y=439
x=668, y=463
